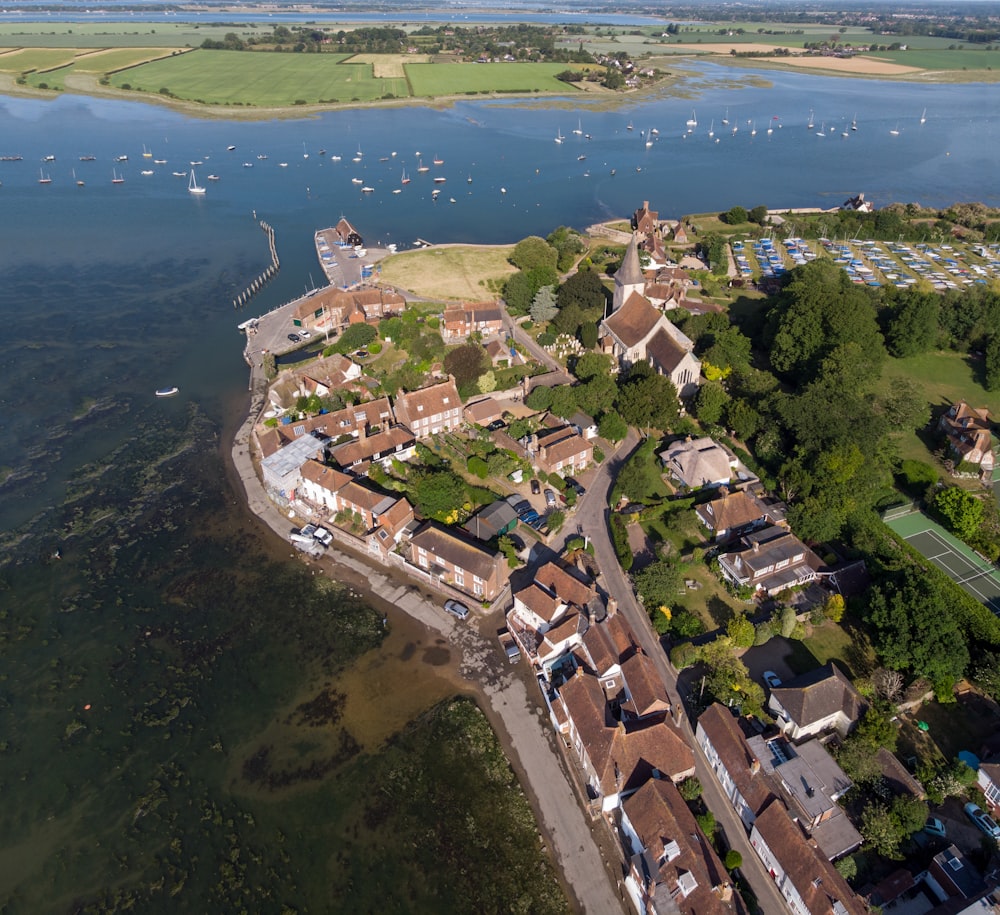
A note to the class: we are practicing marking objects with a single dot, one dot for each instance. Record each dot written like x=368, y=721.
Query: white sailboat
x=822, y=130
x=711, y=129
x=559, y=137
x=693, y=120
x=579, y=128
x=811, y=123
x=923, y=117
x=405, y=179
x=43, y=178
x=146, y=154
x=193, y=186
x=116, y=178
x=895, y=132
x=305, y=154
x=79, y=182
x=649, y=140
x=854, y=123
x=725, y=120
x=753, y=129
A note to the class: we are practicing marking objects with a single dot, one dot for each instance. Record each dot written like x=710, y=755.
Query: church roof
x=630, y=272
x=634, y=320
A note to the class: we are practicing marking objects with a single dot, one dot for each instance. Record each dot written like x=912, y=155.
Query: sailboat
x=822, y=130
x=79, y=182
x=193, y=186
x=437, y=160
x=753, y=129
x=811, y=123
x=854, y=123
x=895, y=133
x=405, y=179
x=629, y=126
x=421, y=167
x=579, y=128
x=559, y=137
x=116, y=178
x=305, y=154
x=43, y=178
x=711, y=129
x=693, y=120
x=146, y=154
x=649, y=140
x=923, y=117
x=725, y=120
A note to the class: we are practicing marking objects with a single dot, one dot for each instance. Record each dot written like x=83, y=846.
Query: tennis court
x=974, y=573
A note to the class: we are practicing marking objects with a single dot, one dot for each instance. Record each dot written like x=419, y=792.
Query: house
x=483, y=412
x=560, y=450
x=810, y=782
x=732, y=514
x=430, y=410
x=636, y=331
x=808, y=882
x=495, y=520
x=736, y=767
x=673, y=869
x=858, y=204
x=952, y=875
x=499, y=354
x=345, y=234
x=699, y=462
x=584, y=424
x=646, y=220
x=820, y=700
x=282, y=470
x=969, y=436
x=332, y=309
x=618, y=757
x=395, y=443
x=450, y=558
x=769, y=560
x=460, y=322
x=271, y=439
x=988, y=778
x=680, y=234
x=359, y=419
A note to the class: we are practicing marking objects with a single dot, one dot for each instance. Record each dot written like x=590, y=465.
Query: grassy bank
x=470, y=272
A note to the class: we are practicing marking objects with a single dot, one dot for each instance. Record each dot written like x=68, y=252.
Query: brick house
x=450, y=558
x=430, y=410
x=462, y=321
x=770, y=560
x=561, y=450
x=395, y=443
x=817, y=701
x=969, y=435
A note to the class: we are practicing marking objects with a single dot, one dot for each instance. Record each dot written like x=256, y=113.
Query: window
x=422, y=560
x=459, y=577
x=477, y=589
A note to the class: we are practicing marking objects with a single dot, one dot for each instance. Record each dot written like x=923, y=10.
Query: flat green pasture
x=117, y=34
x=260, y=79
x=99, y=62
x=455, y=79
x=36, y=59
x=942, y=59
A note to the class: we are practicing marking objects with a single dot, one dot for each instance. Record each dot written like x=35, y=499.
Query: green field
x=454, y=79
x=942, y=59
x=35, y=59
x=261, y=79
x=116, y=34
x=96, y=62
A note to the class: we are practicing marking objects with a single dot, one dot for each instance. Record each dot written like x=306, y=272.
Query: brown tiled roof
x=896, y=774
x=483, y=411
x=732, y=510
x=572, y=624
x=448, y=545
x=428, y=402
x=664, y=351
x=355, y=416
x=813, y=876
x=397, y=517
x=362, y=449
x=566, y=447
x=362, y=496
x=607, y=642
x=327, y=477
x=539, y=601
x=660, y=816
x=634, y=320
x=557, y=580
x=743, y=767
x=819, y=693
x=649, y=695
x=496, y=350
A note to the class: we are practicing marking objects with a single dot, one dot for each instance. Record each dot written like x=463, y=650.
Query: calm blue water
x=110, y=291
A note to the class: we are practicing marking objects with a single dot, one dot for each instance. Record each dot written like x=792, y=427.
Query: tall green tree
x=648, y=402
x=961, y=510
x=533, y=252
x=912, y=327
x=543, y=306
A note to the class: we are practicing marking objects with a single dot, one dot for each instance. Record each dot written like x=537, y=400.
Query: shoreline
x=581, y=860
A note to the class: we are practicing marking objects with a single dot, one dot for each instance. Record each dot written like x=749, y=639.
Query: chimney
x=612, y=607
x=754, y=766
x=756, y=546
x=645, y=204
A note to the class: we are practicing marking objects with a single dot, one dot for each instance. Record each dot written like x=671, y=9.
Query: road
x=592, y=516
x=557, y=374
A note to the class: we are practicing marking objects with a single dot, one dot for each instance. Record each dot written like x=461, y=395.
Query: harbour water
x=150, y=633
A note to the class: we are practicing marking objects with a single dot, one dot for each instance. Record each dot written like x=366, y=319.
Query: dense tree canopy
x=648, y=402
x=466, y=363
x=533, y=252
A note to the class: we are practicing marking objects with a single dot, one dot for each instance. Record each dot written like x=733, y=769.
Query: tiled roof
x=557, y=580
x=819, y=693
x=567, y=447
x=428, y=402
x=731, y=510
x=572, y=624
x=813, y=876
x=665, y=352
x=723, y=731
x=649, y=695
x=539, y=602
x=399, y=514
x=660, y=817
x=483, y=411
x=448, y=545
x=634, y=320
x=327, y=477
x=363, y=497
x=362, y=449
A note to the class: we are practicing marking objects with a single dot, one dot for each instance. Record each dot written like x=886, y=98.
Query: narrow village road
x=593, y=519
x=557, y=374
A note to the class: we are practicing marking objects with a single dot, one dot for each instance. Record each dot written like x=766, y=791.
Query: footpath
x=530, y=739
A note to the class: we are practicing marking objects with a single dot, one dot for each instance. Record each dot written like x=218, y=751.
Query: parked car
x=456, y=609
x=496, y=424
x=323, y=536
x=982, y=820
x=295, y=338
x=550, y=498
x=772, y=680
x=536, y=487
x=304, y=334
x=309, y=530
x=530, y=517
x=575, y=486
x=536, y=522
x=523, y=507
x=515, y=542
x=935, y=827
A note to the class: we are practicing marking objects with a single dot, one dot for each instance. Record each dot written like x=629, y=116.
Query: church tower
x=629, y=277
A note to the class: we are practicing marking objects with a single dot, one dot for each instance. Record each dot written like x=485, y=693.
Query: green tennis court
x=974, y=573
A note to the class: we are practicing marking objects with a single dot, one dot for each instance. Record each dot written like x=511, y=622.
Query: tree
x=639, y=478
x=733, y=860
x=847, y=867
x=587, y=334
x=592, y=365
x=880, y=831
x=909, y=814
x=710, y=402
x=487, y=382
x=597, y=395
x=539, y=398
x=961, y=511
x=555, y=520
x=437, y=494
x=690, y=789
x=758, y=215
x=913, y=325
x=992, y=364
x=466, y=362
x=743, y=419
x=356, y=336
x=543, y=306
x=647, y=402
x=612, y=427
x=734, y=216
x=741, y=631
x=517, y=293
x=659, y=582
x=533, y=252
x=567, y=243
x=584, y=289
x=888, y=684
x=563, y=401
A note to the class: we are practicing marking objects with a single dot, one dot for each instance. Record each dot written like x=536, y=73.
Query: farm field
x=261, y=79
x=21, y=60
x=100, y=61
x=455, y=79
x=113, y=34
x=449, y=272
x=942, y=59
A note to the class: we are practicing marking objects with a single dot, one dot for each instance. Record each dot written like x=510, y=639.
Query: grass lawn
x=832, y=642
x=458, y=78
x=449, y=272
x=261, y=79
x=943, y=378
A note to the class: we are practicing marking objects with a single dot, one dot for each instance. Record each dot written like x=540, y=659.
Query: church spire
x=628, y=278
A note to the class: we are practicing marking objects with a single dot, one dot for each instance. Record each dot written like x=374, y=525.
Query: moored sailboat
x=193, y=186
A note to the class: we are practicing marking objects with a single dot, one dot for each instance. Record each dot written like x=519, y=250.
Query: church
x=637, y=331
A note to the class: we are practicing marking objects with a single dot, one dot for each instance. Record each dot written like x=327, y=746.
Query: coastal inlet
x=244, y=297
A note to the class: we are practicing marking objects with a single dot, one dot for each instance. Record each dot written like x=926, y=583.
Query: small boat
x=811, y=123
x=629, y=126
x=248, y=164
x=421, y=167
x=822, y=130
x=282, y=165
x=559, y=137
x=711, y=129
x=613, y=172
x=146, y=154
x=305, y=154
x=440, y=180
x=180, y=174
x=452, y=200
x=212, y=178
x=923, y=117
x=322, y=152
x=437, y=161
x=122, y=159
x=334, y=158
x=580, y=158
x=753, y=129
x=159, y=161
x=261, y=157
x=468, y=180
x=367, y=190
x=146, y=171
x=393, y=154
x=398, y=190
x=405, y=179
x=693, y=120
x=579, y=129
x=166, y=392
x=854, y=123
x=116, y=178
x=79, y=183
x=649, y=141
x=895, y=132
x=435, y=194
x=357, y=181
x=725, y=120
x=197, y=162
x=503, y=190
x=43, y=178
x=49, y=159
x=193, y=186
x=359, y=153
x=230, y=148
x=88, y=158
x=383, y=158
x=356, y=159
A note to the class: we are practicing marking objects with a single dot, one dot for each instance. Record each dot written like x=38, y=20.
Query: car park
x=456, y=609
x=323, y=536
x=295, y=338
x=536, y=487
x=772, y=680
x=550, y=498
x=496, y=424
x=983, y=821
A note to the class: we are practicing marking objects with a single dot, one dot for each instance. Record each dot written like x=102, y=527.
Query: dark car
x=361, y=354
x=496, y=424
x=530, y=517
x=515, y=541
x=536, y=487
x=295, y=338
x=523, y=506
x=575, y=486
